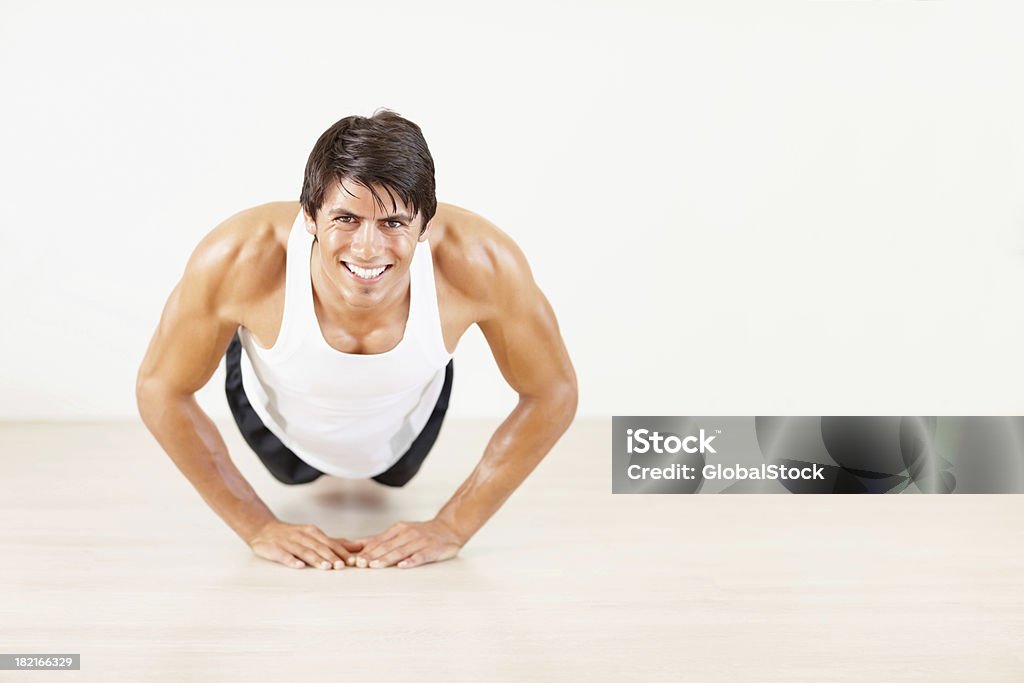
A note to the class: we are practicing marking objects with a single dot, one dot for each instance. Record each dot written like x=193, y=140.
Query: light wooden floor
x=107, y=551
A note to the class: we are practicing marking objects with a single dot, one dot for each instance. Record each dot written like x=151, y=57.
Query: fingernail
x=361, y=562
x=375, y=563
x=325, y=565
x=339, y=564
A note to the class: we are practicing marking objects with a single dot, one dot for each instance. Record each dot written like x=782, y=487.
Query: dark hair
x=384, y=149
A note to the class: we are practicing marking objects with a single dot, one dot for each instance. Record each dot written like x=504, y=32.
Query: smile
x=365, y=274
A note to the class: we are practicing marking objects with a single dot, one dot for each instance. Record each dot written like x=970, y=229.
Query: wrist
x=460, y=536
x=250, y=531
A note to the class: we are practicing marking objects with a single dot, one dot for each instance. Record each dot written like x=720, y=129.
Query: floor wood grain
x=107, y=551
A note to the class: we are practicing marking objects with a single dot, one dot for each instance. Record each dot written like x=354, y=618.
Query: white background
x=734, y=208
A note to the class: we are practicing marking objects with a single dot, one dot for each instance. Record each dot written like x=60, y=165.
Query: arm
x=522, y=332
x=189, y=342
x=528, y=348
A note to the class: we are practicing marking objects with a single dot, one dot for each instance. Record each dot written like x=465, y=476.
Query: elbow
x=557, y=404
x=145, y=385
x=154, y=397
x=572, y=396
x=571, y=393
x=144, y=390
x=150, y=396
x=564, y=402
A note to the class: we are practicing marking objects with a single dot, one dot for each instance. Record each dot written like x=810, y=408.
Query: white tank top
x=349, y=415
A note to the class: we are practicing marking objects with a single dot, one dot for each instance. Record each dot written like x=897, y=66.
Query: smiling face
x=364, y=252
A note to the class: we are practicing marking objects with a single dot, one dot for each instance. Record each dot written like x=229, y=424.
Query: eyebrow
x=346, y=212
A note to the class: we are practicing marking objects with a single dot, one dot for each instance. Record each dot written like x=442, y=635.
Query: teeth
x=364, y=273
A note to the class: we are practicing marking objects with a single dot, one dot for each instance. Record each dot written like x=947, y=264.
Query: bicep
x=190, y=338
x=525, y=340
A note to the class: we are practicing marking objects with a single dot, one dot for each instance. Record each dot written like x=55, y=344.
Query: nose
x=366, y=241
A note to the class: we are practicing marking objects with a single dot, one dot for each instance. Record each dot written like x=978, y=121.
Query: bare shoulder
x=477, y=258
x=240, y=257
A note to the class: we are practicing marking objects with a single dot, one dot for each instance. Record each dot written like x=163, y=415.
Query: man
x=338, y=316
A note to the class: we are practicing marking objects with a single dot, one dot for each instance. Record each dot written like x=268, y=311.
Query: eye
x=393, y=224
x=344, y=219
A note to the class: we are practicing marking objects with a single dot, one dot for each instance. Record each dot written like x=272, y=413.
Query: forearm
x=514, y=451
x=195, y=446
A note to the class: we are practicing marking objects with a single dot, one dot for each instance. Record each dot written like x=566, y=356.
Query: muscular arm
x=189, y=342
x=523, y=335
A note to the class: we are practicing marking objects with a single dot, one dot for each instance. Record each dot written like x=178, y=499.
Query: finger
x=358, y=545
x=371, y=551
x=304, y=553
x=373, y=543
x=347, y=545
x=383, y=551
x=354, y=560
x=391, y=532
x=276, y=553
x=343, y=553
x=364, y=558
x=414, y=560
x=367, y=541
x=394, y=556
x=329, y=548
x=352, y=546
x=347, y=550
x=327, y=557
x=330, y=556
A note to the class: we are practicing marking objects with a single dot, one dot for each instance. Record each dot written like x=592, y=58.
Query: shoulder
x=243, y=256
x=478, y=259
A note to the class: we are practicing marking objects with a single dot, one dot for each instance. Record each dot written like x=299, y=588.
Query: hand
x=296, y=545
x=409, y=544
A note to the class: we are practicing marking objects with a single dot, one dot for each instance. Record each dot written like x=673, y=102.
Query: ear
x=426, y=232
x=310, y=223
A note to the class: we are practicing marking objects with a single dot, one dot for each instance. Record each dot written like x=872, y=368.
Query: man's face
x=365, y=253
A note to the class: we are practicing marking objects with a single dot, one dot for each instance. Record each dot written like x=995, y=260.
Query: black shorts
x=287, y=467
